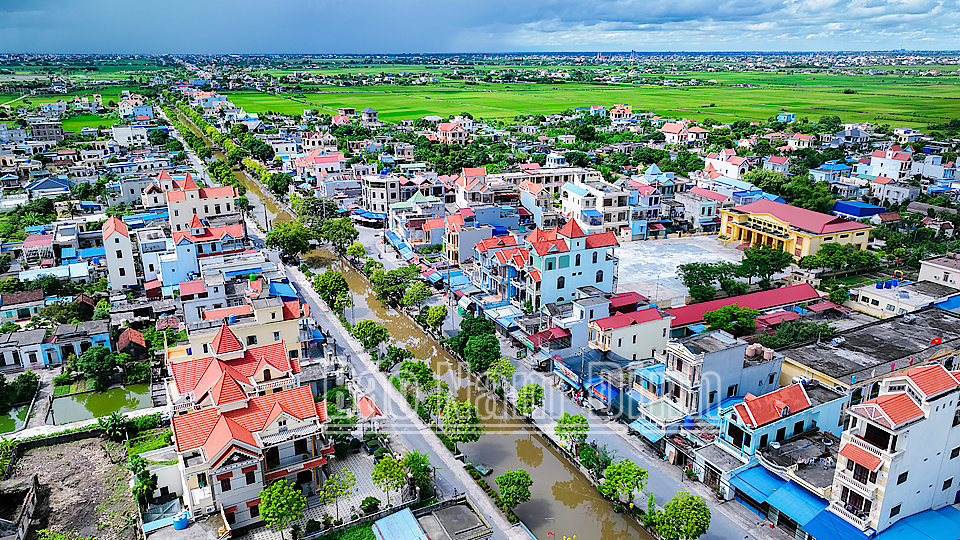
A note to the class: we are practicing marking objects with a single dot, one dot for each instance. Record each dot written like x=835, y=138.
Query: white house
x=119, y=252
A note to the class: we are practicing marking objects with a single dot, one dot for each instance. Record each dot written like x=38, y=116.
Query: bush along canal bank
x=564, y=501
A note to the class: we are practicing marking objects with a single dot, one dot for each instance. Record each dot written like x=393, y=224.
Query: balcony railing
x=594, y=344
x=848, y=479
x=861, y=523
x=289, y=460
x=200, y=495
x=879, y=452
x=275, y=383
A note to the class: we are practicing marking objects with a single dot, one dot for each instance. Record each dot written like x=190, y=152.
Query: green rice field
x=900, y=101
x=76, y=123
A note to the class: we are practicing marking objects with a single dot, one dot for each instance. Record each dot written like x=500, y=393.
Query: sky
x=450, y=26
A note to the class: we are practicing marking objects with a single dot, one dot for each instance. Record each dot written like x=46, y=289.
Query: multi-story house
x=700, y=210
x=537, y=199
x=186, y=204
x=324, y=141
x=135, y=108
x=201, y=295
x=452, y=133
x=798, y=141
x=152, y=242
x=196, y=243
x=894, y=192
x=900, y=454
x=127, y=136
x=597, y=207
x=777, y=164
x=728, y=163
x=894, y=162
x=318, y=162
x=428, y=185
x=403, y=152
x=118, y=248
x=631, y=336
x=406, y=219
x=788, y=228
x=681, y=134
x=228, y=453
x=475, y=186
x=45, y=130
x=943, y=269
x=380, y=191
x=493, y=271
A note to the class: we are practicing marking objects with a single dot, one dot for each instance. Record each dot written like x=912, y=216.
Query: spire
x=571, y=230
x=225, y=341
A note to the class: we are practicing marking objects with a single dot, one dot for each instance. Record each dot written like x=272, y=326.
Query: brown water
x=563, y=501
x=260, y=201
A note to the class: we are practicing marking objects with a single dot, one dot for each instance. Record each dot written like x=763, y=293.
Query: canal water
x=79, y=407
x=13, y=418
x=563, y=501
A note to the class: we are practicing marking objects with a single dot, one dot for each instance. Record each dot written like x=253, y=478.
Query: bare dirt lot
x=84, y=489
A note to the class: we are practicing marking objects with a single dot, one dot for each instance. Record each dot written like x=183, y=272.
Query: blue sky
x=412, y=26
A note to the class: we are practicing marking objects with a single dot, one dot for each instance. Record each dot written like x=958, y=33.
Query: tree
x=279, y=183
x=356, y=249
x=685, y=517
x=102, y=310
x=514, y=487
x=332, y=284
x=792, y=332
x=290, y=237
x=529, y=397
x=596, y=459
x=99, y=364
x=157, y=136
x=338, y=486
x=416, y=294
x=9, y=327
x=339, y=233
x=113, y=426
x=370, y=333
x=481, y=351
x=572, y=429
x=417, y=464
x=389, y=475
x=5, y=261
x=622, y=479
x=461, y=421
x=500, y=370
x=391, y=285
x=763, y=262
x=313, y=211
x=280, y=504
x=733, y=319
x=436, y=316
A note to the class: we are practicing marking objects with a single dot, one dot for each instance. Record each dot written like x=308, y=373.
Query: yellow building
x=795, y=230
x=261, y=321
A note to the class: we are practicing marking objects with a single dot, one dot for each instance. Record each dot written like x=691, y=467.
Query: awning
x=828, y=526
x=647, y=429
x=593, y=213
x=757, y=483
x=656, y=227
x=638, y=397
x=822, y=306
x=605, y=391
x=435, y=277
x=368, y=408
x=797, y=503
x=317, y=336
x=861, y=456
x=939, y=524
x=698, y=328
x=566, y=374
x=596, y=404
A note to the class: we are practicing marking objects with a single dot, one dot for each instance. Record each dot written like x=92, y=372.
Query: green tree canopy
x=370, y=333
x=529, y=396
x=331, y=285
x=500, y=371
x=481, y=351
x=622, y=479
x=391, y=285
x=337, y=486
x=290, y=237
x=416, y=294
x=417, y=463
x=461, y=421
x=514, y=487
x=685, y=517
x=436, y=316
x=736, y=320
x=763, y=262
x=356, y=249
x=99, y=364
x=280, y=504
x=339, y=233
x=572, y=429
x=389, y=475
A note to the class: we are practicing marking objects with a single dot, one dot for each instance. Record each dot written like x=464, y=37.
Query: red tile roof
x=291, y=310
x=759, y=300
x=195, y=222
x=627, y=298
x=200, y=374
x=113, y=224
x=571, y=230
x=495, y=242
x=196, y=286
x=932, y=379
x=211, y=233
x=801, y=218
x=224, y=313
x=622, y=320
x=708, y=194
x=367, y=407
x=777, y=160
x=41, y=240
x=899, y=408
x=604, y=239
x=129, y=336
x=475, y=171
x=759, y=411
x=225, y=341
x=859, y=455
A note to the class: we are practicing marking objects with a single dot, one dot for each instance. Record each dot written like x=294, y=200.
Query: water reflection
x=13, y=418
x=93, y=404
x=529, y=453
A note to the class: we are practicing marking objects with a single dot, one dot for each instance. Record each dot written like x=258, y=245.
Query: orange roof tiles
x=604, y=239
x=495, y=242
x=899, y=408
x=225, y=341
x=758, y=411
x=622, y=320
x=571, y=230
x=802, y=218
x=932, y=379
x=211, y=233
x=112, y=225
x=861, y=456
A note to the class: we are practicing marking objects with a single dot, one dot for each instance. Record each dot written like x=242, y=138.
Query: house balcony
x=291, y=435
x=599, y=345
x=288, y=461
x=869, y=447
x=861, y=523
x=274, y=384
x=863, y=488
x=201, y=497
x=682, y=378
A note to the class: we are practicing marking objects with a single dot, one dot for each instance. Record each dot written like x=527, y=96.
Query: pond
x=79, y=407
x=14, y=418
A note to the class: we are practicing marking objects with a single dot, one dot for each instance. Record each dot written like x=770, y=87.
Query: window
x=255, y=511
x=732, y=391
x=781, y=433
x=119, y=254
x=955, y=452
x=205, y=348
x=594, y=257
x=231, y=518
x=549, y=264
x=276, y=336
x=251, y=477
x=770, y=378
x=273, y=314
x=281, y=425
x=561, y=282
x=251, y=340
x=123, y=271
x=891, y=307
x=713, y=396
x=620, y=342
x=599, y=276
x=634, y=338
x=895, y=510
x=176, y=213
x=902, y=478
x=564, y=261
x=225, y=485
x=875, y=303
x=947, y=483
x=763, y=440
x=216, y=208
x=577, y=262
x=206, y=209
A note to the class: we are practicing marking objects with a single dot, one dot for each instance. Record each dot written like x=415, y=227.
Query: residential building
x=452, y=133
x=36, y=248
x=190, y=202
x=799, y=141
x=20, y=306
x=45, y=130
x=118, y=248
x=12, y=135
x=368, y=116
x=406, y=219
x=629, y=336
x=886, y=299
x=894, y=192
x=895, y=163
x=727, y=163
x=898, y=455
x=788, y=228
x=324, y=141
x=786, y=117
x=597, y=207
x=380, y=191
x=69, y=339
x=776, y=164
x=689, y=318
x=943, y=269
x=227, y=454
x=29, y=349
x=700, y=208
x=196, y=243
x=931, y=166
x=537, y=199
x=318, y=162
x=681, y=134
x=133, y=107
x=853, y=137
x=152, y=242
x=127, y=136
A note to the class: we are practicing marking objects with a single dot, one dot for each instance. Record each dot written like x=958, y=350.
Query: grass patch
x=149, y=441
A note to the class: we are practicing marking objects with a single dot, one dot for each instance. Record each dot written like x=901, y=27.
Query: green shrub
x=62, y=379
x=143, y=423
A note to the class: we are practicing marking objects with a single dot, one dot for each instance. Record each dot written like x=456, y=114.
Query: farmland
x=76, y=123
x=901, y=101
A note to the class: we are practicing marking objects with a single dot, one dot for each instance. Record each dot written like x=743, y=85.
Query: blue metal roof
x=648, y=430
x=758, y=484
x=575, y=189
x=69, y=252
x=92, y=252
x=283, y=290
x=653, y=373
x=828, y=526
x=939, y=524
x=593, y=213
x=797, y=503
x=399, y=526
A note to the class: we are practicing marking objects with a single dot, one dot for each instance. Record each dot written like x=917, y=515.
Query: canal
x=563, y=501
